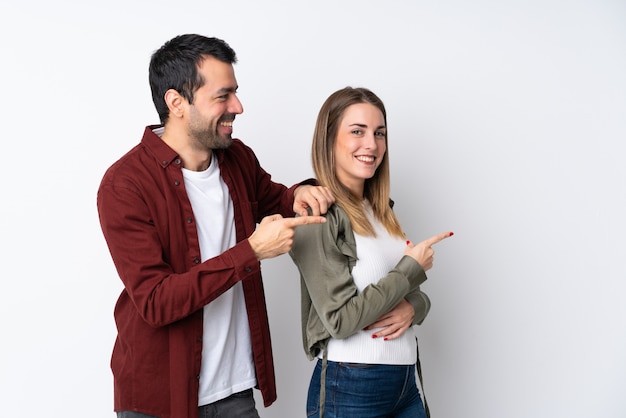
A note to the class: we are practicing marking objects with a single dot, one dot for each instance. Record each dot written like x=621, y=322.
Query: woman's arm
x=410, y=311
x=324, y=258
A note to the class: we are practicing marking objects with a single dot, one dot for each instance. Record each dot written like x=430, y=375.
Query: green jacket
x=331, y=306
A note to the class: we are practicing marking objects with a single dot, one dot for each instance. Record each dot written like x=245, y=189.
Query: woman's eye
x=380, y=134
x=357, y=132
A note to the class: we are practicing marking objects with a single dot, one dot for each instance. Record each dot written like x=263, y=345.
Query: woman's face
x=360, y=145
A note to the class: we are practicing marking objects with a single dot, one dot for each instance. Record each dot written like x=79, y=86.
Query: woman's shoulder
x=337, y=221
x=336, y=212
x=336, y=226
x=335, y=236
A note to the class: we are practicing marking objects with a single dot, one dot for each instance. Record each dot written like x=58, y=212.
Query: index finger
x=303, y=220
x=439, y=237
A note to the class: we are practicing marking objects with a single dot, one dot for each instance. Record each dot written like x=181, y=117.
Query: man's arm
x=162, y=276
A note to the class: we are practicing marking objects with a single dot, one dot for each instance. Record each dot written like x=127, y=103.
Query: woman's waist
x=362, y=348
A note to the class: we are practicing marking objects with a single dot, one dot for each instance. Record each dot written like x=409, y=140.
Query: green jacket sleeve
x=421, y=305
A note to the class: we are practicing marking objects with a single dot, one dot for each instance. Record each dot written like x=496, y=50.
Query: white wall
x=507, y=122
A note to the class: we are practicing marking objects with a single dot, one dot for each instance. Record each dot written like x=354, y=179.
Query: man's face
x=214, y=106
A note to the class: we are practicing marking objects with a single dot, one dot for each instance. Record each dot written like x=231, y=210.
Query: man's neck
x=194, y=158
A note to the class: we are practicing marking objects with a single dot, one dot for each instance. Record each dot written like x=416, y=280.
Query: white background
x=507, y=123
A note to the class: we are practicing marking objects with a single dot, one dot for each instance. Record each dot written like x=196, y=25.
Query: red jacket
x=149, y=226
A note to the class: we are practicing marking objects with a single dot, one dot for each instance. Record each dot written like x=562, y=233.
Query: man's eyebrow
x=227, y=90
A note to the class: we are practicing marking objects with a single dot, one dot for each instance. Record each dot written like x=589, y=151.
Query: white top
x=227, y=363
x=376, y=257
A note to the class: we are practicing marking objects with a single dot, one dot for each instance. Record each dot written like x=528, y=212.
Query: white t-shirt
x=227, y=363
x=377, y=256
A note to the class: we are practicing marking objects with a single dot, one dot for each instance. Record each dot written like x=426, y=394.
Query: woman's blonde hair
x=377, y=188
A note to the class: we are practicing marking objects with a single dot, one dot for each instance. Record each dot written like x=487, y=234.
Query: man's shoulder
x=126, y=161
x=148, y=151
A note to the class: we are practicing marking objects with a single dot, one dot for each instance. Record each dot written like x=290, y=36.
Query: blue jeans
x=365, y=391
x=240, y=405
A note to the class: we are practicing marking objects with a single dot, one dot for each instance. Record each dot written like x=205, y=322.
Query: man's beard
x=206, y=135
x=210, y=139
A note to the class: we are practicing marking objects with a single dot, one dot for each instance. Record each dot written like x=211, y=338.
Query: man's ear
x=175, y=103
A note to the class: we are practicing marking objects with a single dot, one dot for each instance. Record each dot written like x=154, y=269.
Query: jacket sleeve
x=325, y=259
x=421, y=305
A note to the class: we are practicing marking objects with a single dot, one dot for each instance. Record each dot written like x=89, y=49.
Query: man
x=179, y=213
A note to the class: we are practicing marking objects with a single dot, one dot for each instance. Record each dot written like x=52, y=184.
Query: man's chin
x=224, y=142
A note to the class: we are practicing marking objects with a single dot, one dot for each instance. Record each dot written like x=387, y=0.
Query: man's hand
x=394, y=322
x=318, y=198
x=274, y=235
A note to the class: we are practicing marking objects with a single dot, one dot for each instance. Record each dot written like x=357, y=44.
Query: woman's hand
x=423, y=252
x=394, y=322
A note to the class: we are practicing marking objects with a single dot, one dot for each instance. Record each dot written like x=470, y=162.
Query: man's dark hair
x=175, y=66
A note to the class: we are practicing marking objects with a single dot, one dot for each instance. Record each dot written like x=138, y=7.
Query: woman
x=358, y=272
